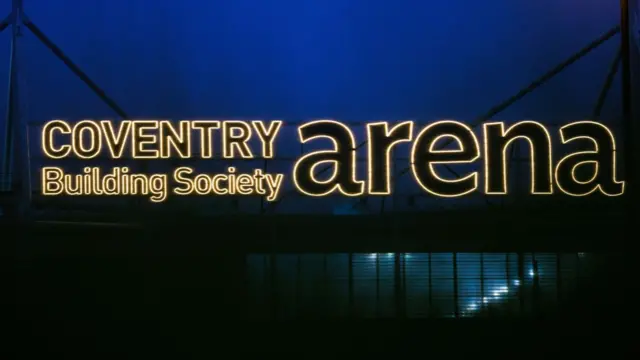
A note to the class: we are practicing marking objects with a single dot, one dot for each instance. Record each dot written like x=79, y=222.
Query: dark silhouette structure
x=162, y=270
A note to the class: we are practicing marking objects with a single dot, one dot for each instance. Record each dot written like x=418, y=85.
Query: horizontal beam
x=471, y=231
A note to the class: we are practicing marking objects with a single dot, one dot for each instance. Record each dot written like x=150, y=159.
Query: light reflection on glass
x=429, y=284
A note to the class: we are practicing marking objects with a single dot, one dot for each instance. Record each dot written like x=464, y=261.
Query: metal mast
x=15, y=158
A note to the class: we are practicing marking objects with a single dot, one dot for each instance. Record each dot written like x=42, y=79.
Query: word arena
x=446, y=142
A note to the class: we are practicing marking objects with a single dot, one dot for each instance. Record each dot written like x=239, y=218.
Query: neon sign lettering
x=163, y=139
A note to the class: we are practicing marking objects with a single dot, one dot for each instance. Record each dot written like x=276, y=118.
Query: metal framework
x=402, y=284
x=15, y=162
x=15, y=159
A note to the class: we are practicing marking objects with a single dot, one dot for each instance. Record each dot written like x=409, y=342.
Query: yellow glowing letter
x=602, y=157
x=47, y=139
x=342, y=159
x=424, y=156
x=380, y=143
x=496, y=144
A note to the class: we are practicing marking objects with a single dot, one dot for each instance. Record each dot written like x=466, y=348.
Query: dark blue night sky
x=349, y=60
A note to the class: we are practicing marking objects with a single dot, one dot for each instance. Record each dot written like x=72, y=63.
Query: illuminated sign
x=151, y=139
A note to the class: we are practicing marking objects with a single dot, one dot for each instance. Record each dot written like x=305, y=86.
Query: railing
x=407, y=195
x=412, y=285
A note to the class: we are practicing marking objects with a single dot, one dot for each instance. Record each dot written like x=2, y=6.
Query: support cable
x=508, y=102
x=537, y=83
x=17, y=18
x=492, y=112
x=613, y=70
x=531, y=87
x=74, y=68
x=5, y=23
